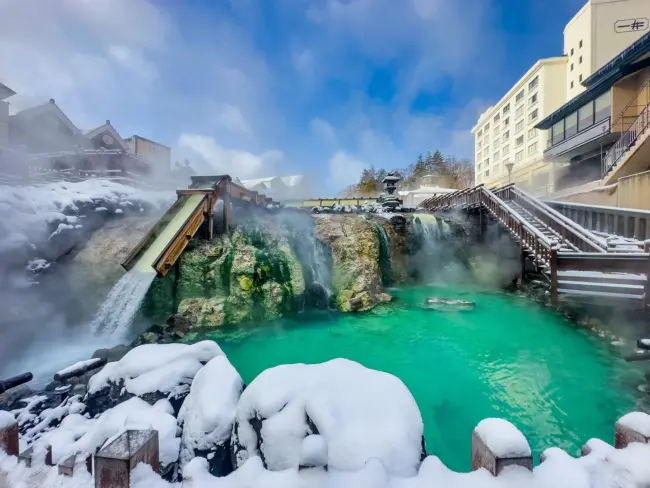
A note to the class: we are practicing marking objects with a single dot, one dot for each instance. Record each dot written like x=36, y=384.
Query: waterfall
x=122, y=303
x=384, y=256
x=318, y=264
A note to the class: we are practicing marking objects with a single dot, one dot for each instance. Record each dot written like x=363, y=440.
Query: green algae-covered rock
x=355, y=251
x=252, y=274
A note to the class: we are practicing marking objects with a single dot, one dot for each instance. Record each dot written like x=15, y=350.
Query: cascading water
x=384, y=256
x=318, y=265
x=122, y=303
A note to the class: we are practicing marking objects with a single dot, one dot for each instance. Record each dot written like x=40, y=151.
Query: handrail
x=622, y=115
x=627, y=139
x=592, y=242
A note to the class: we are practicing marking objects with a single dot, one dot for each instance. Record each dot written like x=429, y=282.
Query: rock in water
x=448, y=304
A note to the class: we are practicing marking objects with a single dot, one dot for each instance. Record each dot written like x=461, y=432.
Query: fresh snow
x=637, y=421
x=361, y=413
x=156, y=367
x=208, y=412
x=6, y=419
x=502, y=438
x=77, y=365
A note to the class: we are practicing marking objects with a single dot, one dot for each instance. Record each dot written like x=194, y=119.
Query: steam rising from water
x=116, y=314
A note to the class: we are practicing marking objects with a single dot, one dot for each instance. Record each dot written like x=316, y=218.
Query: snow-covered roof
x=274, y=181
x=49, y=107
x=293, y=180
x=5, y=91
x=428, y=190
x=107, y=127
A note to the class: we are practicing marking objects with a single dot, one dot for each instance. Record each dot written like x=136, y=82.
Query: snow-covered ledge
x=496, y=443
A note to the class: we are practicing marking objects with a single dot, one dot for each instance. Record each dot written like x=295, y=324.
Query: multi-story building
x=5, y=92
x=155, y=153
x=597, y=33
x=507, y=144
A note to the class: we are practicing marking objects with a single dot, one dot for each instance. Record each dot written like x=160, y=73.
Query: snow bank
x=208, y=412
x=6, y=419
x=76, y=434
x=360, y=413
x=156, y=367
x=502, y=438
x=30, y=210
x=638, y=421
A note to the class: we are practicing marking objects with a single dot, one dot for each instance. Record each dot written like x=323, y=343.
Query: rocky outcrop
x=252, y=274
x=355, y=251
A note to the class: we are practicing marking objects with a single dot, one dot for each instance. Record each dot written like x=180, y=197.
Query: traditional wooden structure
x=576, y=261
x=193, y=209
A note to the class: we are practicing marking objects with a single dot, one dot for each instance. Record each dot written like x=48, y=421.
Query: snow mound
x=156, y=367
x=359, y=412
x=502, y=438
x=77, y=434
x=637, y=421
x=6, y=419
x=208, y=412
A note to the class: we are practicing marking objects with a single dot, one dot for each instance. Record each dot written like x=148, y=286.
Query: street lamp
x=509, y=167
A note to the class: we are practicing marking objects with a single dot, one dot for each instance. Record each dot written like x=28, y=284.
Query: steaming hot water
x=506, y=358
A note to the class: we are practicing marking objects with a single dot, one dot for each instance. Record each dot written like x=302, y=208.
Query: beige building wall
x=599, y=32
x=157, y=154
x=505, y=133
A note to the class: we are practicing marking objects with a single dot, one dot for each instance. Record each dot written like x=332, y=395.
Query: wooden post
x=484, y=457
x=113, y=464
x=210, y=216
x=633, y=427
x=522, y=257
x=226, y=207
x=553, y=265
x=9, y=436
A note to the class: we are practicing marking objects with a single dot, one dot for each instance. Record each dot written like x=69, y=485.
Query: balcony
x=582, y=142
x=4, y=111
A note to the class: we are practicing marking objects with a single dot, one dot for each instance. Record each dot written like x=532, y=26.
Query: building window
x=486, y=162
x=532, y=133
x=571, y=51
x=506, y=109
x=534, y=83
x=486, y=139
x=506, y=122
x=487, y=149
x=519, y=141
x=478, y=155
x=580, y=60
x=506, y=135
x=571, y=125
x=519, y=156
x=571, y=84
x=479, y=144
x=519, y=126
x=519, y=112
x=533, y=100
x=505, y=161
x=603, y=107
x=497, y=117
x=478, y=166
x=487, y=172
x=585, y=116
x=505, y=150
x=532, y=149
x=486, y=128
x=480, y=133
x=580, y=42
x=520, y=97
x=571, y=66
x=495, y=157
x=496, y=131
x=557, y=132
x=533, y=115
x=496, y=141
x=580, y=78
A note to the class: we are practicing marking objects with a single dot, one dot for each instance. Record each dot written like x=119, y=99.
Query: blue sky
x=265, y=87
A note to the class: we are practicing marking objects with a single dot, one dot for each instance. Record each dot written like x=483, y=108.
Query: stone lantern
x=390, y=202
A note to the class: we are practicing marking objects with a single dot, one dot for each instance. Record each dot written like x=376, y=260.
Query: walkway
x=576, y=261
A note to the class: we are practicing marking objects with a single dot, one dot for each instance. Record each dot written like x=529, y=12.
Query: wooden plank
x=612, y=263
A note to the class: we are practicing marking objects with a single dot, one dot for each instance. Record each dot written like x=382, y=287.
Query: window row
x=587, y=116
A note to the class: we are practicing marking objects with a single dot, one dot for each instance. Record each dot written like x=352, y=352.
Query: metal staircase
x=576, y=261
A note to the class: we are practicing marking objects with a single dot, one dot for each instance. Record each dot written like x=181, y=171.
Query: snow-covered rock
x=208, y=413
x=502, y=438
x=360, y=413
x=637, y=421
x=152, y=372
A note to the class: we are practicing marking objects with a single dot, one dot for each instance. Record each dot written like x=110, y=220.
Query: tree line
x=447, y=172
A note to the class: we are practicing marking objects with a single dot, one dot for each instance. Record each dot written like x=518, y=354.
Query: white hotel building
x=505, y=135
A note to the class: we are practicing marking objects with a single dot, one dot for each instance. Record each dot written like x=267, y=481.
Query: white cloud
x=322, y=129
x=223, y=160
x=231, y=118
x=344, y=170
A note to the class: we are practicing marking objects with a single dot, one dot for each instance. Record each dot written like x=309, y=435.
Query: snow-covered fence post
x=496, y=443
x=113, y=464
x=8, y=434
x=633, y=427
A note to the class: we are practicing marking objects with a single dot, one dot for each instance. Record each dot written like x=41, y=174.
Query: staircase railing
x=622, y=115
x=627, y=140
x=566, y=230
